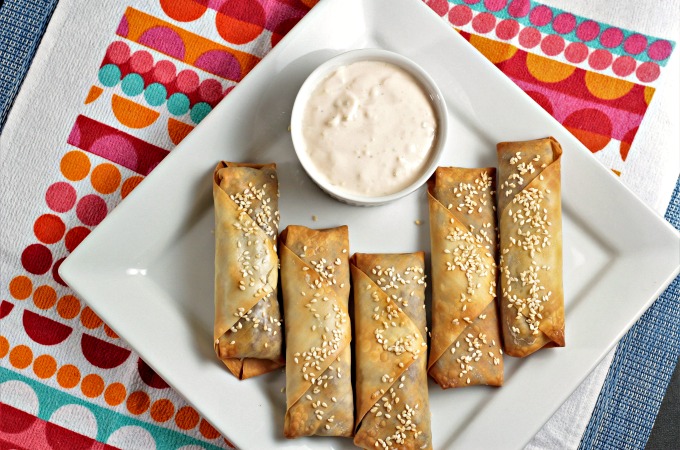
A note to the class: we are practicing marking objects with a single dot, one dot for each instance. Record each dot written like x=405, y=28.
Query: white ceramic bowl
x=347, y=58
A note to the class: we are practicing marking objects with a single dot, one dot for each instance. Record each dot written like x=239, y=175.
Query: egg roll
x=391, y=351
x=465, y=348
x=248, y=335
x=530, y=222
x=315, y=284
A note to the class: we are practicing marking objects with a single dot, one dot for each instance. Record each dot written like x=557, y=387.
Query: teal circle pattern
x=133, y=84
x=199, y=111
x=178, y=104
x=109, y=75
x=155, y=94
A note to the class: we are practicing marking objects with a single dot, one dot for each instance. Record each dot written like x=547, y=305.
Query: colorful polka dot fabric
x=66, y=379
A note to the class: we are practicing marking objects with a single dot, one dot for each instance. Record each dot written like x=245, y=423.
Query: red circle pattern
x=36, y=259
x=75, y=236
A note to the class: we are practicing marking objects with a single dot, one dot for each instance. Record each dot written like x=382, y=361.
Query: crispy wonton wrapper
x=248, y=335
x=465, y=348
x=315, y=284
x=530, y=222
x=391, y=351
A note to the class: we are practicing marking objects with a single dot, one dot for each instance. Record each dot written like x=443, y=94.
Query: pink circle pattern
x=507, y=29
x=541, y=15
x=60, y=197
x=611, y=37
x=588, y=30
x=576, y=52
x=623, y=66
x=635, y=44
x=483, y=23
x=600, y=59
x=460, y=15
x=529, y=37
x=564, y=23
x=519, y=8
x=553, y=45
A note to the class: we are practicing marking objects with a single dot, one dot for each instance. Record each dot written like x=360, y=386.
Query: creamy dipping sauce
x=369, y=127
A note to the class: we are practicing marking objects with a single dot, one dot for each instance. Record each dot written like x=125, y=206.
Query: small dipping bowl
x=324, y=70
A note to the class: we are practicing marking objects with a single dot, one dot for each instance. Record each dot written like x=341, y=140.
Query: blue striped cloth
x=643, y=363
x=640, y=371
x=22, y=24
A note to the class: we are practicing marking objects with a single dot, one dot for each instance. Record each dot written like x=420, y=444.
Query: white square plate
x=147, y=270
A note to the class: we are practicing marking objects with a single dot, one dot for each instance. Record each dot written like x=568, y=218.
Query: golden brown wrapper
x=465, y=348
x=391, y=351
x=315, y=284
x=248, y=334
x=530, y=222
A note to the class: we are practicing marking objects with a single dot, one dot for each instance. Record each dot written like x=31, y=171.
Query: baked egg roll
x=465, y=348
x=530, y=222
x=315, y=285
x=391, y=351
x=248, y=334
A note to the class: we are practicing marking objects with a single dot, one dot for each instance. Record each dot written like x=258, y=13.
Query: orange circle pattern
x=45, y=297
x=207, y=430
x=138, y=402
x=186, y=418
x=21, y=287
x=495, y=51
x=68, y=376
x=105, y=178
x=75, y=165
x=4, y=346
x=109, y=332
x=606, y=87
x=115, y=394
x=68, y=307
x=129, y=185
x=89, y=319
x=162, y=410
x=44, y=366
x=92, y=385
x=548, y=70
x=649, y=93
x=21, y=356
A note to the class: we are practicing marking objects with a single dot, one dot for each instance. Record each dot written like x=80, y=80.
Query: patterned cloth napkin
x=115, y=87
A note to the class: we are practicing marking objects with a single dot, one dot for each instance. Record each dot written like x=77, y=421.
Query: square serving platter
x=147, y=270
